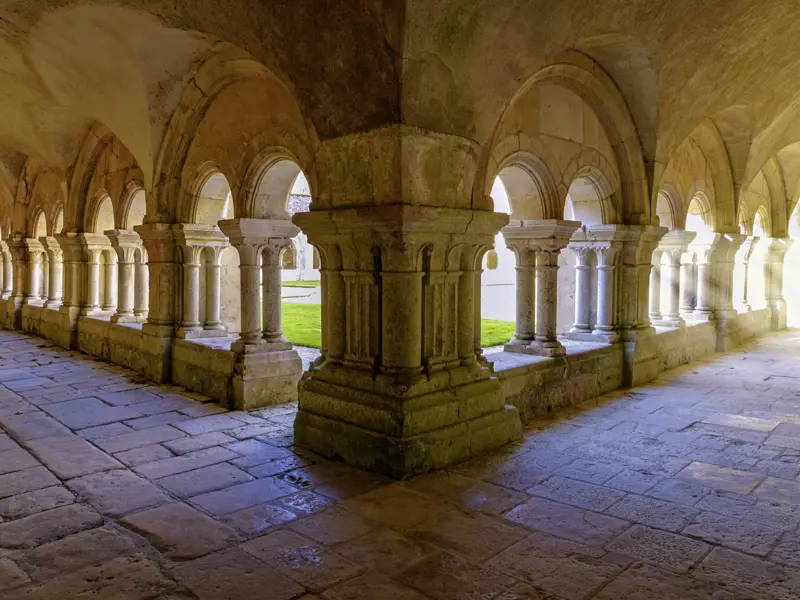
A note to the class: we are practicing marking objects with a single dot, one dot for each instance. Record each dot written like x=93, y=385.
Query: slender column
x=213, y=291
x=526, y=295
x=271, y=297
x=126, y=244
x=33, y=288
x=93, y=281
x=110, y=283
x=546, y=296
x=466, y=313
x=583, y=289
x=655, y=289
x=191, y=289
x=402, y=304
x=249, y=254
x=688, y=285
x=56, y=290
x=673, y=283
x=141, y=288
x=44, y=287
x=605, y=289
x=705, y=289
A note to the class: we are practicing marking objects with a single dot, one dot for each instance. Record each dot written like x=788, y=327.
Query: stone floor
x=114, y=489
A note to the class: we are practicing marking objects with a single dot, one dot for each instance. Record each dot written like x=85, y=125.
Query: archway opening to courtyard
x=101, y=292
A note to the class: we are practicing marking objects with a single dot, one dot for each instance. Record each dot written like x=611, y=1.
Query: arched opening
x=40, y=226
x=756, y=280
x=102, y=267
x=289, y=259
x=698, y=220
x=219, y=278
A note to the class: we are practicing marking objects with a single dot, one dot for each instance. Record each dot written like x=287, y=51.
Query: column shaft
x=126, y=281
x=546, y=296
x=213, y=291
x=141, y=290
x=110, y=291
x=526, y=303
x=673, y=284
x=271, y=301
x=605, y=298
x=655, y=291
x=191, y=295
x=583, y=295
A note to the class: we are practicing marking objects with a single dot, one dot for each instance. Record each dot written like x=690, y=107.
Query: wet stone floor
x=115, y=489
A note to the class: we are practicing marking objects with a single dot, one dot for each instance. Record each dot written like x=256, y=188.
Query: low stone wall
x=93, y=336
x=546, y=385
x=204, y=368
x=124, y=345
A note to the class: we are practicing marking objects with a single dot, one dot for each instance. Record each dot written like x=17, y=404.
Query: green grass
x=302, y=325
x=494, y=333
x=301, y=284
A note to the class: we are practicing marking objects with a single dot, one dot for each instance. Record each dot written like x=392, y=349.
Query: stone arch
x=669, y=208
x=104, y=166
x=133, y=206
x=100, y=215
x=37, y=224
x=590, y=198
x=268, y=184
x=193, y=137
x=577, y=73
x=213, y=200
x=530, y=186
x=57, y=220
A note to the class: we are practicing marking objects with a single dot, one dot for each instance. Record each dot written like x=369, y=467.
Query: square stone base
x=402, y=437
x=265, y=378
x=549, y=349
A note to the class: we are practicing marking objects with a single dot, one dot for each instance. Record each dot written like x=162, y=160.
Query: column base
x=670, y=321
x=538, y=348
x=403, y=430
x=702, y=315
x=53, y=304
x=265, y=375
x=125, y=318
x=596, y=336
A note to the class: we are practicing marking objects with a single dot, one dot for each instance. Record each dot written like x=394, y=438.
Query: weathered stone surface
x=332, y=526
x=382, y=550
x=30, y=503
x=103, y=431
x=739, y=534
x=202, y=481
x=569, y=522
x=447, y=577
x=371, y=585
x=71, y=456
x=191, y=444
x=242, y=496
x=26, y=480
x=652, y=512
x=32, y=425
x=11, y=576
x=468, y=493
x=181, y=532
x=662, y=549
x=136, y=439
x=233, y=575
x=577, y=493
x=185, y=462
x=78, y=551
x=88, y=412
x=208, y=424
x=130, y=578
x=116, y=493
x=307, y=563
x=16, y=460
x=46, y=526
x=257, y=519
x=723, y=478
x=143, y=455
x=558, y=566
x=642, y=582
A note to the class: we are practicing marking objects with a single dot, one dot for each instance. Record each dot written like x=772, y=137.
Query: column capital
x=33, y=246
x=544, y=235
x=718, y=247
x=675, y=243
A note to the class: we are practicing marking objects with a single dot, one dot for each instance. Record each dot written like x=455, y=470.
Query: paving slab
x=71, y=456
x=49, y=525
x=117, y=493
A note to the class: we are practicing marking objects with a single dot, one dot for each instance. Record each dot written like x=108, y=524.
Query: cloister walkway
x=114, y=488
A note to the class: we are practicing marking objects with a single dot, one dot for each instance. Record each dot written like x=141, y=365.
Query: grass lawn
x=301, y=284
x=302, y=325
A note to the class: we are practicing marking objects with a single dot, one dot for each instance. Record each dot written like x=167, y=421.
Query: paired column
x=606, y=288
x=584, y=265
x=142, y=285
x=714, y=276
x=741, y=275
x=126, y=244
x=672, y=246
x=655, y=288
x=35, y=258
x=198, y=243
x=55, y=263
x=537, y=245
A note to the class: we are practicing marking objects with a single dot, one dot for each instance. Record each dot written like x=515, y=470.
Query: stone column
x=773, y=276
x=190, y=316
x=213, y=291
x=157, y=333
x=673, y=245
x=126, y=244
x=44, y=288
x=715, y=276
x=655, y=288
x=19, y=253
x=271, y=295
x=606, y=284
x=92, y=281
x=110, y=282
x=411, y=285
x=583, y=289
x=688, y=284
x=537, y=245
x=193, y=241
x=741, y=292
x=141, y=293
x=266, y=368
x=33, y=287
